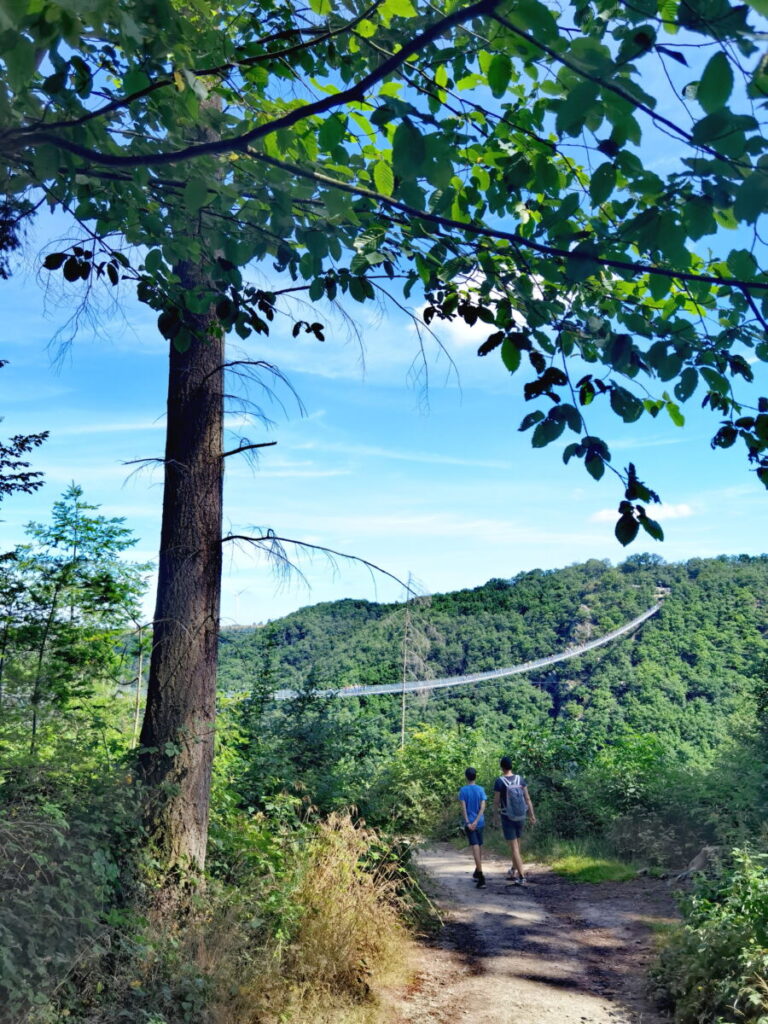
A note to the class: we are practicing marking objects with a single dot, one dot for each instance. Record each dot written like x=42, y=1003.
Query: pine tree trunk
x=179, y=721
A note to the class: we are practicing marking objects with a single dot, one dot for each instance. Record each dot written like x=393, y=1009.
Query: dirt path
x=554, y=953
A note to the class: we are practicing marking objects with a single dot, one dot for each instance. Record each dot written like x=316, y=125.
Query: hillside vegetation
x=681, y=694
x=642, y=750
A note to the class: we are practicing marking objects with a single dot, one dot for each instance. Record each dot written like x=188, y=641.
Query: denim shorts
x=474, y=835
x=512, y=829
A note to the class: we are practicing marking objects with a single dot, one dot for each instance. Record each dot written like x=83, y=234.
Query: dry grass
x=347, y=945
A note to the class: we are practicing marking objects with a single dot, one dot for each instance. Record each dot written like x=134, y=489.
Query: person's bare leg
x=477, y=854
x=517, y=860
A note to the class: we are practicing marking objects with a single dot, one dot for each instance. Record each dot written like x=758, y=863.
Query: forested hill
x=703, y=653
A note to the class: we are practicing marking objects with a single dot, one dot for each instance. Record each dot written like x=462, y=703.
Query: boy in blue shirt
x=472, y=799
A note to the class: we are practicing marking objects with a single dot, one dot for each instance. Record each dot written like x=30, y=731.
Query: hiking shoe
x=477, y=873
x=511, y=875
x=524, y=882
x=481, y=881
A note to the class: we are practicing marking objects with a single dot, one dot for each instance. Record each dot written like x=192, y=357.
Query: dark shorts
x=512, y=829
x=474, y=835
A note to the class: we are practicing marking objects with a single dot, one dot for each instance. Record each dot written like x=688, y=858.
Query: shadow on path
x=554, y=952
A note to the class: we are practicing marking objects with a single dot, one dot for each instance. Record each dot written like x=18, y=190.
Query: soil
x=556, y=952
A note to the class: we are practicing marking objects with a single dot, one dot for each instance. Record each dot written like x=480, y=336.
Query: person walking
x=511, y=806
x=473, y=800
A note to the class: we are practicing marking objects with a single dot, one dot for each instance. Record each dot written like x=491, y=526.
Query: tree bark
x=178, y=729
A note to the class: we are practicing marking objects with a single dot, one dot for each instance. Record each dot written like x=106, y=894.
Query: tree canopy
x=568, y=176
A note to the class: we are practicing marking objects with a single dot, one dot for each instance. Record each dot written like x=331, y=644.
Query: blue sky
x=437, y=482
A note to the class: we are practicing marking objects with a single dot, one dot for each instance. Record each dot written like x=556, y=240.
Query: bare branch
x=270, y=540
x=247, y=448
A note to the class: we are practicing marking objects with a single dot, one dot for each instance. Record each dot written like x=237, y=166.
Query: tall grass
x=346, y=943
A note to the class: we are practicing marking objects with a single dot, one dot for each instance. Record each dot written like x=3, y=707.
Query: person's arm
x=464, y=813
x=531, y=812
x=496, y=806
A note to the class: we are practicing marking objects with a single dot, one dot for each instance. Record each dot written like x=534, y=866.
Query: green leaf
x=366, y=28
x=571, y=450
x=685, y=387
x=626, y=529
x=499, y=74
x=321, y=6
x=510, y=355
x=408, y=150
x=581, y=262
x=357, y=289
x=716, y=83
x=383, y=177
x=153, y=261
x=715, y=381
x=195, y=195
x=752, y=197
x=332, y=131
x=602, y=183
x=530, y=419
x=20, y=61
x=742, y=264
x=658, y=286
x=134, y=80
x=675, y=415
x=546, y=432
x=574, y=111
x=713, y=126
x=570, y=415
x=651, y=527
x=397, y=8
x=625, y=404
x=595, y=465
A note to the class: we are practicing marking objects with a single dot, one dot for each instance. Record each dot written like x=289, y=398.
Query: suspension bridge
x=479, y=677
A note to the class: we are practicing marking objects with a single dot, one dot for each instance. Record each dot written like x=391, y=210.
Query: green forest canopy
x=681, y=672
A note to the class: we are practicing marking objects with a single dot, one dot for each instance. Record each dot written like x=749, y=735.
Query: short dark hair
x=471, y=774
x=505, y=764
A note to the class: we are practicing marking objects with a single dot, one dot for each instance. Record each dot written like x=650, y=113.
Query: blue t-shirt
x=473, y=796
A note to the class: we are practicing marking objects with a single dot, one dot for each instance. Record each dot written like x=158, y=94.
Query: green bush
x=715, y=967
x=64, y=870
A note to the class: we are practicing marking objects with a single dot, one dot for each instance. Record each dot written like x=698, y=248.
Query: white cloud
x=108, y=428
x=682, y=511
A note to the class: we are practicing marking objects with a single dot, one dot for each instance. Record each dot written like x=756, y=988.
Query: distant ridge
x=478, y=677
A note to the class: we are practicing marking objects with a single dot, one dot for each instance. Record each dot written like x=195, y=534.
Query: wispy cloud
x=659, y=512
x=109, y=428
x=648, y=442
x=403, y=455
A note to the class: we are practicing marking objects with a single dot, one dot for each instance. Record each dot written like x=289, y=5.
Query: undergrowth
x=297, y=920
x=714, y=967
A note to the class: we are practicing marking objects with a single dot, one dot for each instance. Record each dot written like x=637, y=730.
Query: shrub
x=62, y=870
x=714, y=968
